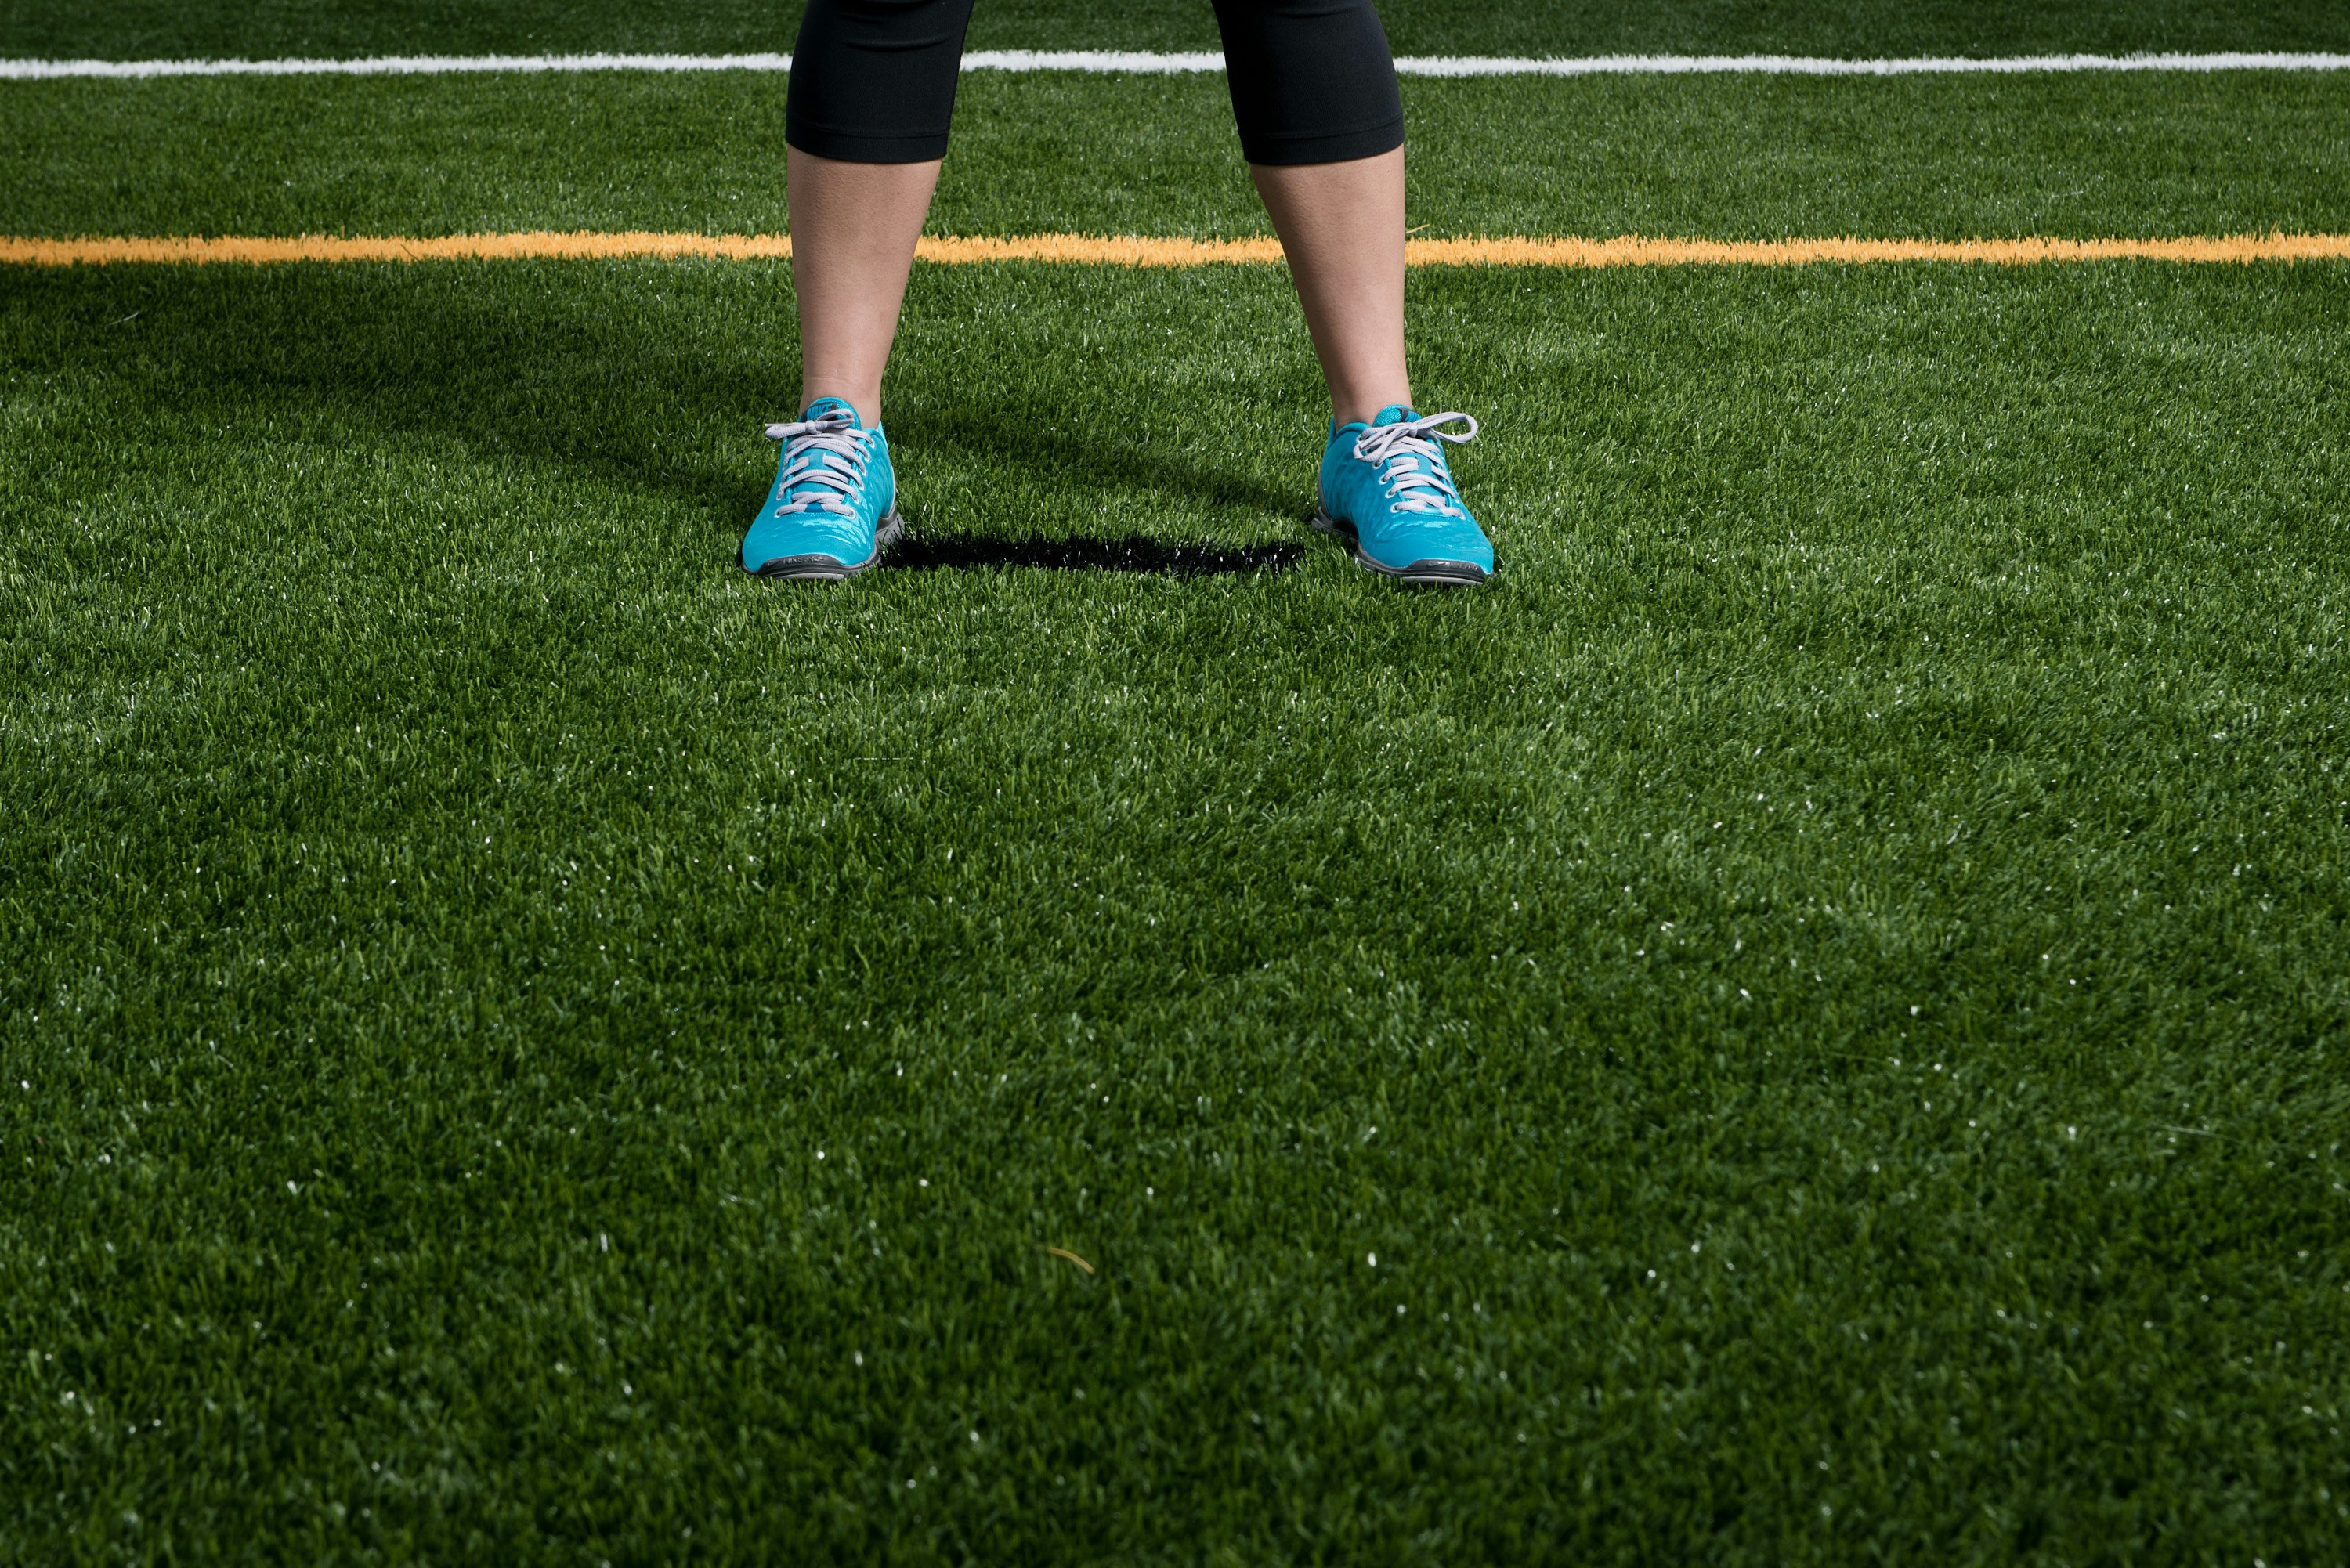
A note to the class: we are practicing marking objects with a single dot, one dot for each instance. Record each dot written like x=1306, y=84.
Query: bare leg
x=1342, y=226
x=853, y=231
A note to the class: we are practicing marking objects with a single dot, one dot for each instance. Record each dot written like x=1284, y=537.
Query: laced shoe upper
x=833, y=488
x=1388, y=483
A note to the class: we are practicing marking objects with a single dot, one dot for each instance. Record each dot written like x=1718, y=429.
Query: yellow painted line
x=1135, y=250
x=1633, y=250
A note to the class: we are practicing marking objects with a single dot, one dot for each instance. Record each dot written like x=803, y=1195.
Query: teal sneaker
x=835, y=501
x=1388, y=493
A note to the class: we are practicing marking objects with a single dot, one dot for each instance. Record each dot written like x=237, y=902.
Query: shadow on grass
x=1034, y=433
x=592, y=371
x=1133, y=554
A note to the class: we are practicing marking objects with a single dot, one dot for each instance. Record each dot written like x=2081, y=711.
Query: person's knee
x=897, y=21
x=1342, y=13
x=1305, y=9
x=1311, y=81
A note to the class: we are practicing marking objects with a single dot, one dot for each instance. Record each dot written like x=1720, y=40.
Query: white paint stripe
x=389, y=65
x=1089, y=60
x=1173, y=64
x=1816, y=65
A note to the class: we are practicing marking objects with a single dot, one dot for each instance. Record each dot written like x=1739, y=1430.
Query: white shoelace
x=1414, y=485
x=806, y=443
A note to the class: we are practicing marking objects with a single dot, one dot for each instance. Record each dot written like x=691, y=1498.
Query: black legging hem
x=1333, y=147
x=873, y=81
x=865, y=146
x=929, y=147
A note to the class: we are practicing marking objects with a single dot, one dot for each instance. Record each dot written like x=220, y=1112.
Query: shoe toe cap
x=1461, y=552
x=1437, y=571
x=777, y=546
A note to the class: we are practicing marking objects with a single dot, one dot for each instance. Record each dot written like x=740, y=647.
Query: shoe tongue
x=1394, y=414
x=822, y=407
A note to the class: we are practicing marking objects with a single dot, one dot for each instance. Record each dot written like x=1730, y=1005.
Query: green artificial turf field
x=1806, y=1024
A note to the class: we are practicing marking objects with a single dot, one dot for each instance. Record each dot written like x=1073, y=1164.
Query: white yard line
x=1814, y=65
x=1173, y=64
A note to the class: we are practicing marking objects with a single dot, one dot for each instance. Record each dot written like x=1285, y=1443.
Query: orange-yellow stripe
x=1135, y=250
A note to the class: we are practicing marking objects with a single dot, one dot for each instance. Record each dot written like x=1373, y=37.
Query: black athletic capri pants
x=873, y=81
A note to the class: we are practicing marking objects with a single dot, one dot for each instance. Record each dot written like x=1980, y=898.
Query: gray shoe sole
x=831, y=568
x=1436, y=574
